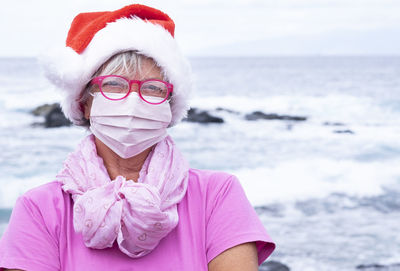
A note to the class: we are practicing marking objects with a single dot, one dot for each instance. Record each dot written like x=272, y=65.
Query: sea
x=327, y=188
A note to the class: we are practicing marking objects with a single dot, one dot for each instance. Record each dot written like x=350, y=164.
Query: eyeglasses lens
x=114, y=85
x=154, y=89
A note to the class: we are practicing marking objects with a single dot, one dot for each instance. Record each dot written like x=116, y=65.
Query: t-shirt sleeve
x=232, y=220
x=28, y=243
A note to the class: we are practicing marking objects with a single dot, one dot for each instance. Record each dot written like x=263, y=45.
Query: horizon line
x=241, y=56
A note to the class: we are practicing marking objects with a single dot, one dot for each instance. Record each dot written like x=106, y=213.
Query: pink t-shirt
x=214, y=215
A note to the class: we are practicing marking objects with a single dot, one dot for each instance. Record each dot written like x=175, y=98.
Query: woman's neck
x=115, y=165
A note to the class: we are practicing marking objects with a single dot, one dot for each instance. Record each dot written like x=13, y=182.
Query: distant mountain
x=377, y=42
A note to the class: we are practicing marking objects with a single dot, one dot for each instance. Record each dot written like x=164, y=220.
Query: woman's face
x=148, y=70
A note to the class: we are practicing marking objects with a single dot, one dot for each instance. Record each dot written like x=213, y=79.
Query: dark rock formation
x=343, y=131
x=328, y=123
x=228, y=110
x=52, y=114
x=56, y=118
x=273, y=266
x=379, y=267
x=201, y=116
x=256, y=115
x=43, y=110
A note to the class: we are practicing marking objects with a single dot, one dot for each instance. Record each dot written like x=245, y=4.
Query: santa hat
x=96, y=36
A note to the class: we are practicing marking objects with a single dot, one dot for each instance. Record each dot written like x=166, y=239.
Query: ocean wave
x=297, y=180
x=330, y=108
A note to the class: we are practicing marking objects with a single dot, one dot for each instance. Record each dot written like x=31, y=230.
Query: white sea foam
x=30, y=97
x=317, y=178
x=12, y=187
x=342, y=108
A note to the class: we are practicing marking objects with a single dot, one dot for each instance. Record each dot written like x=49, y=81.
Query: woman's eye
x=112, y=84
x=153, y=88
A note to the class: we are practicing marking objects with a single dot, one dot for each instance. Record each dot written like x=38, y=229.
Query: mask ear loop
x=169, y=97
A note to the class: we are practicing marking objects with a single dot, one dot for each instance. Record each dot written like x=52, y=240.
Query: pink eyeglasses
x=147, y=89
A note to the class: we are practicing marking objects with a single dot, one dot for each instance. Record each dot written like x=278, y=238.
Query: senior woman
x=126, y=199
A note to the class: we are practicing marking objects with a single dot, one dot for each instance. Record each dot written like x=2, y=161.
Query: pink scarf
x=136, y=214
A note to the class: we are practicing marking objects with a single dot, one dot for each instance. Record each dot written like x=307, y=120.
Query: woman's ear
x=86, y=108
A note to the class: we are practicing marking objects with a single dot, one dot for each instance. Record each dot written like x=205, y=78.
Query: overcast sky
x=225, y=27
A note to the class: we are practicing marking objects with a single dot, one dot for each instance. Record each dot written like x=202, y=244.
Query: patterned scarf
x=136, y=214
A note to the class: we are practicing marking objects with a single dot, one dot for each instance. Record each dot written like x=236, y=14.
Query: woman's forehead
x=145, y=68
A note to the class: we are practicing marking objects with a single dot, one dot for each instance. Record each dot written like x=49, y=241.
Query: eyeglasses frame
x=99, y=81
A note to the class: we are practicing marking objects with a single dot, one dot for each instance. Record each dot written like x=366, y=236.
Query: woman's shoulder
x=212, y=183
x=45, y=195
x=210, y=177
x=52, y=189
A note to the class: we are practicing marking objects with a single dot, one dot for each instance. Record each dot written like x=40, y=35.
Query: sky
x=224, y=27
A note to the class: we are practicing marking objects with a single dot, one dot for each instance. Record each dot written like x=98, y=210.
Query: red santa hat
x=94, y=37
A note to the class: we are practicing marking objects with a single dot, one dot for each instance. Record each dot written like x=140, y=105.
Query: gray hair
x=124, y=63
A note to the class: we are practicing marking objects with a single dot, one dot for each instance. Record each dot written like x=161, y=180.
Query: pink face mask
x=131, y=125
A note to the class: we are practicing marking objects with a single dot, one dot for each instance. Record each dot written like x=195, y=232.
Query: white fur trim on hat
x=71, y=71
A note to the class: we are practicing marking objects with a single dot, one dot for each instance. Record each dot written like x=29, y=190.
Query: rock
x=327, y=123
x=43, y=110
x=53, y=115
x=273, y=266
x=227, y=110
x=56, y=118
x=378, y=267
x=256, y=115
x=195, y=115
x=343, y=131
